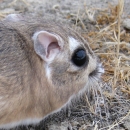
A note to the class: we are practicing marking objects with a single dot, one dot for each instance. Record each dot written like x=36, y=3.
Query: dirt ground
x=108, y=107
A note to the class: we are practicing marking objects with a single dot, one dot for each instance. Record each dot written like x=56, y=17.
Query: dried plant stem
x=77, y=19
x=116, y=124
x=120, y=11
x=119, y=121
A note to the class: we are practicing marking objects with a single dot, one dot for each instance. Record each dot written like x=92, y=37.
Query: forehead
x=73, y=43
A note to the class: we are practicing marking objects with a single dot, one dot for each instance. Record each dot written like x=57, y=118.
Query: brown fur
x=25, y=91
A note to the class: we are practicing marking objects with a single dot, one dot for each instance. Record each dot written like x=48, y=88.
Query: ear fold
x=47, y=45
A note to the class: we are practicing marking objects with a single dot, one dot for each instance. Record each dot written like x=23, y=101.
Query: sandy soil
x=82, y=115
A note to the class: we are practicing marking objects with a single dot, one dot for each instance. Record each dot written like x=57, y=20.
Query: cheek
x=59, y=74
x=69, y=82
x=67, y=85
x=81, y=82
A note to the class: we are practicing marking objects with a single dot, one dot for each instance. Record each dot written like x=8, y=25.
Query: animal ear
x=47, y=45
x=14, y=17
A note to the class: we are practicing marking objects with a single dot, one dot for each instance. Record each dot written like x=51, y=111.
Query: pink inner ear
x=49, y=43
x=52, y=45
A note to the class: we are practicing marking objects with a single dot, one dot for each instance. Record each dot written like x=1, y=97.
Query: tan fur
x=25, y=90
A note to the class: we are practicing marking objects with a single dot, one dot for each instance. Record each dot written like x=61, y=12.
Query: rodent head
x=68, y=60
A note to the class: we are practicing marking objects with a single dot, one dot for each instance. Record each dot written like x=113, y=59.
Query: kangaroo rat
x=43, y=65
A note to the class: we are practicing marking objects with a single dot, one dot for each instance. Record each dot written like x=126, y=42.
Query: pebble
x=126, y=23
x=62, y=126
x=127, y=122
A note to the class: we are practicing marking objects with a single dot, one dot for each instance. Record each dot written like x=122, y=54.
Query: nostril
x=94, y=72
x=98, y=71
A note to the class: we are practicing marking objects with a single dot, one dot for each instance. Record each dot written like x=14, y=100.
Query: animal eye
x=79, y=57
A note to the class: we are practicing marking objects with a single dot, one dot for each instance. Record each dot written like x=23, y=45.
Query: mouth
x=98, y=71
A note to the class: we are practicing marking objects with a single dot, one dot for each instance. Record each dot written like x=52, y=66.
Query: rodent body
x=37, y=72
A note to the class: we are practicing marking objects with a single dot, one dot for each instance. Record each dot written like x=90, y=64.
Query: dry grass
x=113, y=46
x=112, y=43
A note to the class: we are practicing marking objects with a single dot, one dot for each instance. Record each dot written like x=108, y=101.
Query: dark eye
x=79, y=57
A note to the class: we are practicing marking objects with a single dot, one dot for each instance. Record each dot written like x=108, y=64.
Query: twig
x=120, y=11
x=77, y=18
